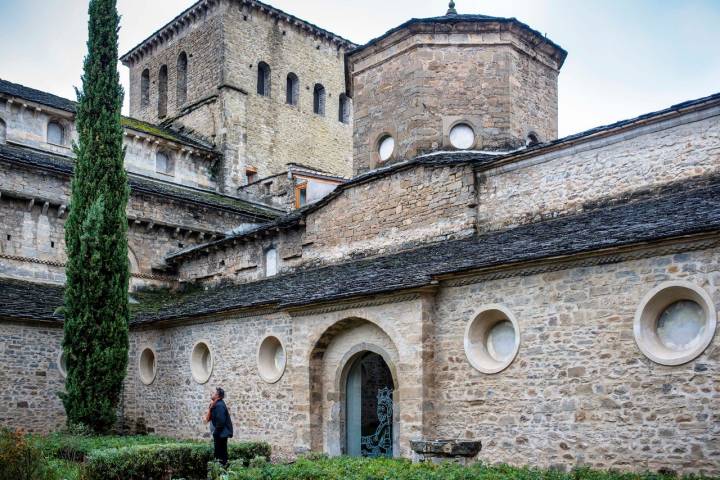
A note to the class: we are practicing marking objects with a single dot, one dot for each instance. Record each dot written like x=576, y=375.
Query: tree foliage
x=96, y=295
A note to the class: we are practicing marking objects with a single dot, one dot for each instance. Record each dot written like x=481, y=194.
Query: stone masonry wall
x=416, y=86
x=278, y=133
x=35, y=231
x=411, y=206
x=175, y=403
x=224, y=49
x=580, y=392
x=30, y=377
x=26, y=125
x=202, y=42
x=561, y=182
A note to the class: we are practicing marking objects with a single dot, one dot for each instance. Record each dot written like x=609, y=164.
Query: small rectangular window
x=251, y=175
x=301, y=195
x=271, y=262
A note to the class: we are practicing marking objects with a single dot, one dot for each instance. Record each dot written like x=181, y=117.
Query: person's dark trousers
x=221, y=453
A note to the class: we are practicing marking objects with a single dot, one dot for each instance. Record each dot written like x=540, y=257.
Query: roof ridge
x=253, y=3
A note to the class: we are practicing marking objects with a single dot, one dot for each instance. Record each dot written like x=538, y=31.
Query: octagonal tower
x=456, y=82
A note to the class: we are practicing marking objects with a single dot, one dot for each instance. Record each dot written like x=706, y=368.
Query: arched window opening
x=162, y=91
x=319, y=99
x=271, y=262
x=293, y=89
x=344, y=109
x=145, y=88
x=263, y=82
x=532, y=139
x=3, y=131
x=164, y=163
x=182, y=65
x=55, y=133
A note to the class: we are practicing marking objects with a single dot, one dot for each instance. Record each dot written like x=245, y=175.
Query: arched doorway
x=369, y=407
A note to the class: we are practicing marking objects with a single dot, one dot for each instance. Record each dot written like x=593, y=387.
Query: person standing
x=220, y=424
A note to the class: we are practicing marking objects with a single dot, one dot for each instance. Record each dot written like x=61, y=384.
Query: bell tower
x=455, y=82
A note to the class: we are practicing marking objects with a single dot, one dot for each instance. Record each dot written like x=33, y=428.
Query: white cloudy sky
x=627, y=57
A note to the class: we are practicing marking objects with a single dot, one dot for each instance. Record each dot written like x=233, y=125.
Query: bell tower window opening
x=293, y=89
x=319, y=99
x=182, y=65
x=162, y=91
x=145, y=88
x=344, y=109
x=263, y=79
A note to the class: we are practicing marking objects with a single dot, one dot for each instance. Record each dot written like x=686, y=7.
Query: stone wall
x=564, y=181
x=400, y=210
x=30, y=377
x=421, y=204
x=278, y=133
x=201, y=40
x=419, y=82
x=33, y=213
x=580, y=392
x=224, y=48
x=175, y=403
x=26, y=125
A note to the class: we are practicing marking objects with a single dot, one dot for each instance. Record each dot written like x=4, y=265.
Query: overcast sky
x=626, y=57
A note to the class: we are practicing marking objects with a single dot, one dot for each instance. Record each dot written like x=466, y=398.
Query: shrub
x=76, y=447
x=20, y=459
x=158, y=461
x=345, y=468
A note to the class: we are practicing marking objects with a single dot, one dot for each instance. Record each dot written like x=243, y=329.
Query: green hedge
x=76, y=447
x=155, y=461
x=381, y=469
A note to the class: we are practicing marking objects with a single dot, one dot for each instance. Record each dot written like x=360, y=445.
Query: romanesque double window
x=55, y=133
x=162, y=91
x=319, y=99
x=263, y=79
x=293, y=89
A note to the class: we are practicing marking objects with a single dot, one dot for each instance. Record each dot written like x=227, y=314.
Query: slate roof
x=678, y=210
x=139, y=184
x=54, y=101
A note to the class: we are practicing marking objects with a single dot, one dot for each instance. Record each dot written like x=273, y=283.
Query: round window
x=462, y=136
x=492, y=339
x=62, y=363
x=386, y=147
x=271, y=359
x=201, y=362
x=147, y=367
x=674, y=323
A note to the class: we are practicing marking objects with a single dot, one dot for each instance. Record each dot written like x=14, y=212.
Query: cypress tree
x=96, y=309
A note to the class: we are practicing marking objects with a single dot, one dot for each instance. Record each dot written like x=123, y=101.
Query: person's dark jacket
x=220, y=418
